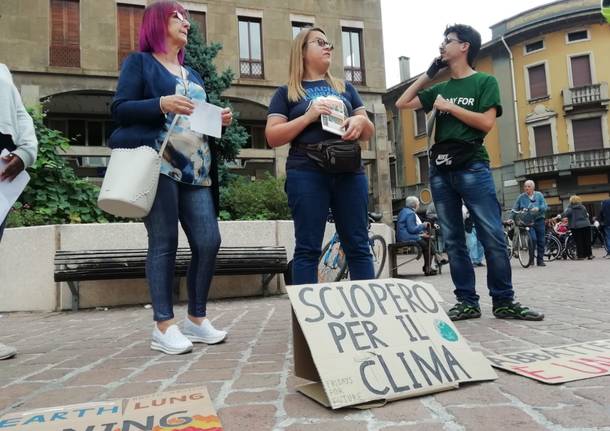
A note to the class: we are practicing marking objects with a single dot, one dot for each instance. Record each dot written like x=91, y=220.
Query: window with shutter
x=581, y=70
x=544, y=140
x=64, y=50
x=587, y=134
x=537, y=81
x=129, y=19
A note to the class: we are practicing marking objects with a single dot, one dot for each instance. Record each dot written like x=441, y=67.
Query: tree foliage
x=55, y=194
x=200, y=56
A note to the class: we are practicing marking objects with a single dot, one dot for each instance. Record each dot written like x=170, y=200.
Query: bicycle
x=332, y=265
x=560, y=246
x=520, y=245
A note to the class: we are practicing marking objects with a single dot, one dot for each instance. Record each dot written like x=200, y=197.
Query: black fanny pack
x=335, y=156
x=453, y=154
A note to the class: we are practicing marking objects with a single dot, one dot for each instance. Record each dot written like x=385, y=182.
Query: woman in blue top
x=294, y=117
x=153, y=88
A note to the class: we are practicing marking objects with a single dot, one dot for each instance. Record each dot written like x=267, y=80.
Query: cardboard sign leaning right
x=559, y=364
x=377, y=340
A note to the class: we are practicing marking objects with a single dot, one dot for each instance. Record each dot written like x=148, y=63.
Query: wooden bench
x=86, y=265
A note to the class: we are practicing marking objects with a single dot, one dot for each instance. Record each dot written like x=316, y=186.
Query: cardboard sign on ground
x=559, y=364
x=184, y=410
x=377, y=340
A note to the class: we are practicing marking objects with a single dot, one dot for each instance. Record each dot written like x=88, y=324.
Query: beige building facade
x=67, y=53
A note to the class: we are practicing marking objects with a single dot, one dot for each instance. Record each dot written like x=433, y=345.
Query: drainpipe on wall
x=512, y=77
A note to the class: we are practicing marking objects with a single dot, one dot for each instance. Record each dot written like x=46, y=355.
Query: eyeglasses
x=446, y=41
x=322, y=43
x=180, y=17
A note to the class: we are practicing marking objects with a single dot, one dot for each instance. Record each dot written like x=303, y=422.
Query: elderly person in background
x=578, y=222
x=411, y=228
x=534, y=202
x=17, y=135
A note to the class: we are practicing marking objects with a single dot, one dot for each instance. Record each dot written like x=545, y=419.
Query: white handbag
x=131, y=180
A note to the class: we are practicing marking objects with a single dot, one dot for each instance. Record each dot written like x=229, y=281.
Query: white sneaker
x=172, y=342
x=204, y=333
x=7, y=351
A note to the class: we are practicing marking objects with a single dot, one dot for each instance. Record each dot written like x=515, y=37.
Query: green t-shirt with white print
x=478, y=93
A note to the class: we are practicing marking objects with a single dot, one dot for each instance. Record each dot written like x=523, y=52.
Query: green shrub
x=263, y=199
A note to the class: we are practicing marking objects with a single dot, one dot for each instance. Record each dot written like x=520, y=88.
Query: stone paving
x=67, y=358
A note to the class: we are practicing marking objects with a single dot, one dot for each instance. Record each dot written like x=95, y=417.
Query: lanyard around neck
x=185, y=81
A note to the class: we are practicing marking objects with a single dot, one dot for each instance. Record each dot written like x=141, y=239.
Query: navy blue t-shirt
x=280, y=106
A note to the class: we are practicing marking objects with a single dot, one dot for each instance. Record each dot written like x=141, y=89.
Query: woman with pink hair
x=154, y=87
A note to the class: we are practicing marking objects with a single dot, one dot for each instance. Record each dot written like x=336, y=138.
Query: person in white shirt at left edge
x=18, y=136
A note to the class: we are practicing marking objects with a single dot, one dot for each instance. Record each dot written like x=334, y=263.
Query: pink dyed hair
x=153, y=30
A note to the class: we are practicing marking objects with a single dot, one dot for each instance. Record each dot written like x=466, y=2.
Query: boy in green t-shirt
x=466, y=108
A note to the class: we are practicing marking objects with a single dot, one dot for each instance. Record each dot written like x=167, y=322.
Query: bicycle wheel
x=379, y=251
x=571, y=247
x=552, y=248
x=525, y=248
x=332, y=264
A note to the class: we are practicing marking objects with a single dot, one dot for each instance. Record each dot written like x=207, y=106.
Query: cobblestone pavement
x=92, y=355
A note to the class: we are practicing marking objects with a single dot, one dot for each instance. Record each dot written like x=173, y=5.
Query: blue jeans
x=475, y=248
x=194, y=208
x=607, y=234
x=475, y=187
x=537, y=232
x=310, y=195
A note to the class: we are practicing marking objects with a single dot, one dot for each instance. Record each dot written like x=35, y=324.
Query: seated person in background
x=411, y=228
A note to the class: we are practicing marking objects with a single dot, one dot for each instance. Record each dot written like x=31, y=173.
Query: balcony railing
x=586, y=95
x=539, y=165
x=564, y=163
x=590, y=159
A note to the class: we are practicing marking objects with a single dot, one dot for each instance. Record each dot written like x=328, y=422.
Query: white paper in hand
x=10, y=190
x=207, y=119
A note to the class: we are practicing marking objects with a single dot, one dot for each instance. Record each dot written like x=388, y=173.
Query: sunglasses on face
x=180, y=17
x=322, y=43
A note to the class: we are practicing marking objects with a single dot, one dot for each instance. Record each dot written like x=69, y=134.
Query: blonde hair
x=296, y=68
x=575, y=200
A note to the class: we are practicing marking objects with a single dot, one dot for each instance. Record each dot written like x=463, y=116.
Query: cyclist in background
x=534, y=202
